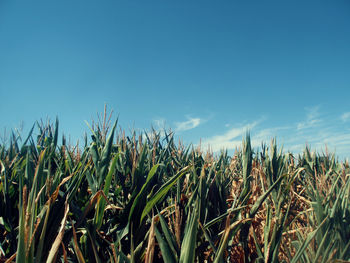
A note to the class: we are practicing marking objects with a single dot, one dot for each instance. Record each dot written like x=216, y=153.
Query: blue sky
x=209, y=70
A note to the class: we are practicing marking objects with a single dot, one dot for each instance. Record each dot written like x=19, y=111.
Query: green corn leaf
x=95, y=155
x=305, y=243
x=262, y=198
x=55, y=136
x=207, y=237
x=259, y=250
x=106, y=153
x=321, y=249
x=43, y=233
x=225, y=238
x=21, y=249
x=101, y=204
x=28, y=137
x=168, y=255
x=93, y=133
x=188, y=246
x=161, y=193
x=169, y=237
x=221, y=217
x=143, y=192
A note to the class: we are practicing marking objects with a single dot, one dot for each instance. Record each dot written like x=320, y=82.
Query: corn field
x=146, y=198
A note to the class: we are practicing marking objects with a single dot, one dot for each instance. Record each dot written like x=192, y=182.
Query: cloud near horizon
x=190, y=124
x=316, y=131
x=312, y=119
x=159, y=123
x=345, y=116
x=230, y=139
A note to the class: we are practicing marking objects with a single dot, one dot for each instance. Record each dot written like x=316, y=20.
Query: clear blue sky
x=207, y=69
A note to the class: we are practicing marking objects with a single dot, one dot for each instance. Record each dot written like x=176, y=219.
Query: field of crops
x=146, y=198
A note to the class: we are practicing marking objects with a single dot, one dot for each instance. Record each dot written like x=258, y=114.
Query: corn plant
x=144, y=198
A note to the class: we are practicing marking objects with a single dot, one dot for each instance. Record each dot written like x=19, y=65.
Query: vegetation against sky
x=145, y=198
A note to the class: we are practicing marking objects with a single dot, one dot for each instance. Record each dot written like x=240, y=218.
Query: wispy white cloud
x=312, y=119
x=229, y=140
x=190, y=124
x=267, y=134
x=159, y=123
x=345, y=116
x=318, y=131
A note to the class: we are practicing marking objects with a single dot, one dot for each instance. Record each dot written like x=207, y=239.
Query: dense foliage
x=147, y=199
